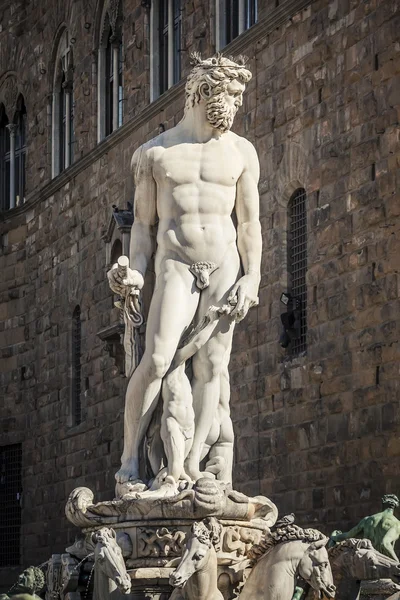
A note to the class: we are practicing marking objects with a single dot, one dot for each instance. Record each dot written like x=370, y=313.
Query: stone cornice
x=277, y=17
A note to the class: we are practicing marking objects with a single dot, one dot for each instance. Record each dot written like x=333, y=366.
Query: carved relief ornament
x=112, y=18
x=9, y=94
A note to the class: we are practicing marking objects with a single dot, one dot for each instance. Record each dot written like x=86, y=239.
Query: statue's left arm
x=248, y=232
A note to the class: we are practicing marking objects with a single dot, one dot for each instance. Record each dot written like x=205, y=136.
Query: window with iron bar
x=10, y=504
x=233, y=17
x=297, y=263
x=20, y=152
x=76, y=367
x=113, y=46
x=166, y=45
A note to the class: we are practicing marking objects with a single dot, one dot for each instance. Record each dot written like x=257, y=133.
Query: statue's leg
x=210, y=363
x=223, y=448
x=177, y=425
x=172, y=309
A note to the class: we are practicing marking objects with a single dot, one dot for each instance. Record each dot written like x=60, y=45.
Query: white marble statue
x=189, y=181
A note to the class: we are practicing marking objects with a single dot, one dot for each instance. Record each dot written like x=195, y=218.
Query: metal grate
x=109, y=84
x=76, y=367
x=177, y=41
x=10, y=504
x=163, y=32
x=297, y=262
x=4, y=161
x=20, y=153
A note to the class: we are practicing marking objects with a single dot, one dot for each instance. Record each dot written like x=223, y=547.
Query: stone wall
x=318, y=433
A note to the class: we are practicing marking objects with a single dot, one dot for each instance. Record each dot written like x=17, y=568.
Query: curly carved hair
x=211, y=76
x=390, y=500
x=39, y=579
x=207, y=531
x=289, y=533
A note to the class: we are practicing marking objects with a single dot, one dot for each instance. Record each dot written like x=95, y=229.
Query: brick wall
x=317, y=433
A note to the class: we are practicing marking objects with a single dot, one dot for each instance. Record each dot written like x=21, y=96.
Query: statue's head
x=390, y=501
x=31, y=581
x=219, y=83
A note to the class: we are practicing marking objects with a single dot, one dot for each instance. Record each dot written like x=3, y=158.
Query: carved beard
x=219, y=114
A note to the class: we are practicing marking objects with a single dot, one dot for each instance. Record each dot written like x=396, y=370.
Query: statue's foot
x=168, y=488
x=128, y=485
x=192, y=470
x=196, y=474
x=215, y=466
x=128, y=472
x=129, y=489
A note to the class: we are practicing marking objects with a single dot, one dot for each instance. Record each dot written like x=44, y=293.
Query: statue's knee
x=159, y=365
x=171, y=425
x=209, y=368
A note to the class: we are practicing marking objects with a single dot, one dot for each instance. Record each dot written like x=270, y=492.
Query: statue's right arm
x=145, y=216
x=145, y=210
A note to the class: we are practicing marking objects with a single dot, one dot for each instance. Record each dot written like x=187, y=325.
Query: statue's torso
x=196, y=192
x=376, y=526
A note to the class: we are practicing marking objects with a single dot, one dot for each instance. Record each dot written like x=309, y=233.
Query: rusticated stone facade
x=319, y=433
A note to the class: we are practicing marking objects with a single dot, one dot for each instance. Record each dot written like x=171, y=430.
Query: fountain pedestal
x=152, y=532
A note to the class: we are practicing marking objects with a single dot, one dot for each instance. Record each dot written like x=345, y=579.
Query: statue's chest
x=189, y=163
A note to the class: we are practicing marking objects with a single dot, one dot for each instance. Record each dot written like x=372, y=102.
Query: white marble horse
x=284, y=555
x=110, y=572
x=196, y=575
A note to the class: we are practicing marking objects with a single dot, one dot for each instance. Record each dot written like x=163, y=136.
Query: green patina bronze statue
x=382, y=529
x=28, y=586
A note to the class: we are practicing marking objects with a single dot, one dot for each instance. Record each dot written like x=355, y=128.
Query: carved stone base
x=153, y=583
x=152, y=534
x=159, y=543
x=207, y=498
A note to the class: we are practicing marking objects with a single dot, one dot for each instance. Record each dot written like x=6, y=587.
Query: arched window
x=20, y=152
x=12, y=157
x=110, y=62
x=4, y=160
x=76, y=404
x=116, y=251
x=297, y=263
x=63, y=108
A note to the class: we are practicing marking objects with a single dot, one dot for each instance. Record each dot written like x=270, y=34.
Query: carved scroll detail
x=160, y=542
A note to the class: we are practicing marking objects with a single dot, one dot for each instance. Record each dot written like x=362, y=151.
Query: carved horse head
x=354, y=560
x=109, y=561
x=199, y=552
x=314, y=568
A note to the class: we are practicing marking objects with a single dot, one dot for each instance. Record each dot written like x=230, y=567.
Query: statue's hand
x=120, y=285
x=245, y=294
